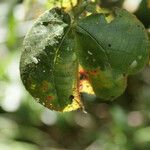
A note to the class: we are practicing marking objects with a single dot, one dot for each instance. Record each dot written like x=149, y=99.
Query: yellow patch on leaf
x=84, y=84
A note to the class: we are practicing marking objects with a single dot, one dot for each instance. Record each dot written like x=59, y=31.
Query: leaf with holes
x=111, y=50
x=48, y=66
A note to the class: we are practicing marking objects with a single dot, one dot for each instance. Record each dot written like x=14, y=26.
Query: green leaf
x=110, y=51
x=48, y=66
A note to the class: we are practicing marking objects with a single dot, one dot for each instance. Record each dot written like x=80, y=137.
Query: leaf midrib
x=99, y=44
x=55, y=59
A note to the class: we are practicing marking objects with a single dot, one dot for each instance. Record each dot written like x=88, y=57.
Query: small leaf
x=48, y=66
x=110, y=51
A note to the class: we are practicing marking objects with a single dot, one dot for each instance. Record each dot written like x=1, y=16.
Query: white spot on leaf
x=134, y=64
x=34, y=59
x=90, y=53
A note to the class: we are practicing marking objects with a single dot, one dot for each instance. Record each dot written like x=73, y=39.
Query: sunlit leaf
x=49, y=68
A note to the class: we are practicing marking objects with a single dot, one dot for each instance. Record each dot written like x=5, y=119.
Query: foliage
x=95, y=42
x=121, y=124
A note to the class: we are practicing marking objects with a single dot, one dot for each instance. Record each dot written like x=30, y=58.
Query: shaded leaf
x=110, y=51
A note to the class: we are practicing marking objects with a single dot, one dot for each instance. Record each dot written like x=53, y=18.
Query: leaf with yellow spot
x=84, y=83
x=48, y=66
x=110, y=49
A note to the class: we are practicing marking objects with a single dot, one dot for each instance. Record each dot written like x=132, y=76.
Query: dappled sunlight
x=27, y=125
x=131, y=5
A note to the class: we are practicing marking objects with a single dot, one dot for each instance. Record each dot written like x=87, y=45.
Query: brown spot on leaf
x=49, y=98
x=83, y=75
x=93, y=72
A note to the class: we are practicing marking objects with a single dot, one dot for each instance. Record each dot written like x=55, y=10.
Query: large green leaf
x=48, y=63
x=109, y=51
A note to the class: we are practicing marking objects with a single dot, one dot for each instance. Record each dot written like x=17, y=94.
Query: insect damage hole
x=109, y=45
x=71, y=97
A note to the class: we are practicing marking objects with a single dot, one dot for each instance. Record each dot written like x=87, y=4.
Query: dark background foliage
x=120, y=125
